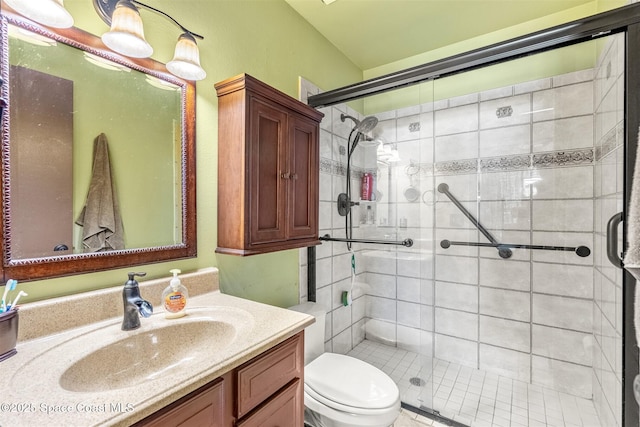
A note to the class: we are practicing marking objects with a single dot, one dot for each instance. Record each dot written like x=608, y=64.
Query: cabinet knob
x=285, y=175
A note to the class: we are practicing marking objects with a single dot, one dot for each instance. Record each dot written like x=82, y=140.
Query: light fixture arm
x=105, y=9
x=146, y=6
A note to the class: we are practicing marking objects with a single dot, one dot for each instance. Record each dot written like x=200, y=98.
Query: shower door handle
x=612, y=240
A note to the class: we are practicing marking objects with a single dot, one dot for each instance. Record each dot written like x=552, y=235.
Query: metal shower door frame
x=625, y=20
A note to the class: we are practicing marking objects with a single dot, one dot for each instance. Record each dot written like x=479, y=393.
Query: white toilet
x=342, y=391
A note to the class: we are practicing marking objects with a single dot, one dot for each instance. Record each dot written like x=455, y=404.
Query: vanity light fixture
x=46, y=12
x=126, y=37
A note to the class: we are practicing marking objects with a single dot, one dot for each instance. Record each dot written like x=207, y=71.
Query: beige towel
x=100, y=216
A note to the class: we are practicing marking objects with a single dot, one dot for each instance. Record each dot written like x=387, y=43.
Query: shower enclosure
x=508, y=170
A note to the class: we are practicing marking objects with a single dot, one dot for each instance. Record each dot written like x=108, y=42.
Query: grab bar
x=504, y=252
x=406, y=242
x=581, y=251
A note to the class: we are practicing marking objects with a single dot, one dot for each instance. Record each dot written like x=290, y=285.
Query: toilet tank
x=313, y=334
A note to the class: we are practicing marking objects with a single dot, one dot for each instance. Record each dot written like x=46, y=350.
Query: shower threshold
x=473, y=397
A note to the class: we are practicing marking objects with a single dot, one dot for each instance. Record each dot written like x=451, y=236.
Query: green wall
x=269, y=40
x=265, y=38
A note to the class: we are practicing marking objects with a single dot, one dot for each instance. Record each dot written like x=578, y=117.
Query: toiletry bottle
x=370, y=219
x=367, y=186
x=175, y=297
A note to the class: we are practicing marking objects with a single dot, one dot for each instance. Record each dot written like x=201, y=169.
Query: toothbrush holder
x=8, y=334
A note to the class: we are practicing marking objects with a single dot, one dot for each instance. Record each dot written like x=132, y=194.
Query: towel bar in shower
x=406, y=242
x=581, y=251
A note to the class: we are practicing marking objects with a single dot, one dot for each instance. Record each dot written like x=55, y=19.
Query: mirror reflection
x=67, y=191
x=96, y=152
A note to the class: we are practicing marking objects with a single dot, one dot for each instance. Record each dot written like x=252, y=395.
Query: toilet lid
x=348, y=381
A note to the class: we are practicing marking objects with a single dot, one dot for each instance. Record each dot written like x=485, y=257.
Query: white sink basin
x=107, y=358
x=147, y=355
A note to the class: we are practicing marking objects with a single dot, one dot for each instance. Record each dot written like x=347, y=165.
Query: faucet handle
x=132, y=281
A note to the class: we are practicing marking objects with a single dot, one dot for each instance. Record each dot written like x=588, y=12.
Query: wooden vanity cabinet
x=267, y=391
x=204, y=407
x=268, y=169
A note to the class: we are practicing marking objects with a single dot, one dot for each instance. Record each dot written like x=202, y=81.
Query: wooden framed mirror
x=64, y=91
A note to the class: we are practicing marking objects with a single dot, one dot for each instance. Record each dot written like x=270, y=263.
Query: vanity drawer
x=282, y=410
x=263, y=376
x=202, y=408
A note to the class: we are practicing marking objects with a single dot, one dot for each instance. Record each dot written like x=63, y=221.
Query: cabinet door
x=283, y=410
x=266, y=374
x=267, y=172
x=303, y=182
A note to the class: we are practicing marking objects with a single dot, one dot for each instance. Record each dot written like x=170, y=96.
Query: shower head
x=365, y=125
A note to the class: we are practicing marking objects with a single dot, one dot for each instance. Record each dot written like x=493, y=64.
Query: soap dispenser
x=175, y=297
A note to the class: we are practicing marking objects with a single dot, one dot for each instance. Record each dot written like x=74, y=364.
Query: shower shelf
x=581, y=251
x=406, y=242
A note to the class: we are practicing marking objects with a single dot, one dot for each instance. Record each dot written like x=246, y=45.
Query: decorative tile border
x=507, y=163
x=456, y=167
x=607, y=144
x=326, y=165
x=334, y=167
x=517, y=162
x=563, y=158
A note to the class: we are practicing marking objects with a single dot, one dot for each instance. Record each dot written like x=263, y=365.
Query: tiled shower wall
x=536, y=163
x=344, y=325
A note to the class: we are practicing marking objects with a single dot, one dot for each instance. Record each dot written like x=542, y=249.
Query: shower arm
x=406, y=242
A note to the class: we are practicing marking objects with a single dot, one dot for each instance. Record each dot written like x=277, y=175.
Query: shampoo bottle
x=175, y=297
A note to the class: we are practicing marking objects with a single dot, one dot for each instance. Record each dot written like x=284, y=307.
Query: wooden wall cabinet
x=267, y=391
x=268, y=169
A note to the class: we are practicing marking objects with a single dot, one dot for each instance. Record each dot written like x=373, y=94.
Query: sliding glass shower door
x=506, y=311
x=527, y=307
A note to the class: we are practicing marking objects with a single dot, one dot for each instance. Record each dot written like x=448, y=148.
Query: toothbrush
x=14, y=304
x=10, y=286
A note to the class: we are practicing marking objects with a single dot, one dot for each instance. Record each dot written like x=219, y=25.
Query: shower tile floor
x=473, y=397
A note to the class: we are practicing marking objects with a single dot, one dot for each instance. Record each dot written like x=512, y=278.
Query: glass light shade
x=186, y=59
x=46, y=12
x=126, y=35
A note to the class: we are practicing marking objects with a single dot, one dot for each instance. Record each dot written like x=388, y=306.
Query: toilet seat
x=350, y=385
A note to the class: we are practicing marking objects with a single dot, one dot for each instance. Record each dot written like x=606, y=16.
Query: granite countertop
x=33, y=395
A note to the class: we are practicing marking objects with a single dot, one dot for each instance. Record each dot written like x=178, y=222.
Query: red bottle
x=367, y=186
